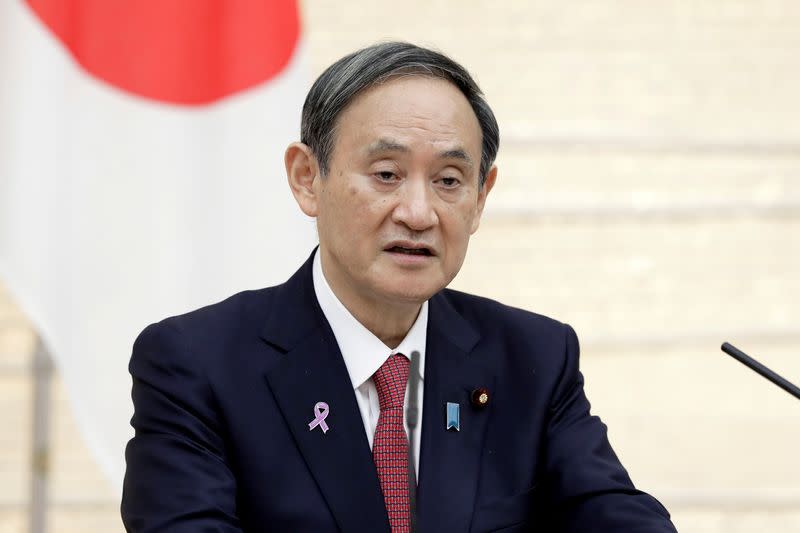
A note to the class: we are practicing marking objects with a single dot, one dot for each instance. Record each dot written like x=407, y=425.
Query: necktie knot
x=390, y=381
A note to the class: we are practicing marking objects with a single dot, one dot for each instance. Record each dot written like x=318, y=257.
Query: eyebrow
x=389, y=145
x=386, y=145
x=457, y=153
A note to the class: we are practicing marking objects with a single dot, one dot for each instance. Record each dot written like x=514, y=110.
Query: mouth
x=409, y=249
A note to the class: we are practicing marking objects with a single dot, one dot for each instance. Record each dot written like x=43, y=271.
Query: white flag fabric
x=141, y=175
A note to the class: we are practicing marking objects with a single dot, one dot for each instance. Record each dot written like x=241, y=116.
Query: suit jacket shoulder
x=527, y=344
x=481, y=310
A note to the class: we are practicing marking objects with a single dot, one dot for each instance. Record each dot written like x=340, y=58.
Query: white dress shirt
x=364, y=353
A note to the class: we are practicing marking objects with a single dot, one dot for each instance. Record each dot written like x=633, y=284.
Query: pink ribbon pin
x=320, y=413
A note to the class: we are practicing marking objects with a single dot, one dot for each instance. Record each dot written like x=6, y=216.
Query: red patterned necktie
x=390, y=445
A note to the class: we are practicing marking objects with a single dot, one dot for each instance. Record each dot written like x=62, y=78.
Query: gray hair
x=342, y=81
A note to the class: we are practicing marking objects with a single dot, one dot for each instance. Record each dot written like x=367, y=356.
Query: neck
x=390, y=325
x=389, y=321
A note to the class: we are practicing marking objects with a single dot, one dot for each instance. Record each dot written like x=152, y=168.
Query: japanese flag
x=141, y=174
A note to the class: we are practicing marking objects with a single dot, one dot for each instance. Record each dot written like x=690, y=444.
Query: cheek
x=358, y=220
x=460, y=222
x=457, y=234
x=471, y=219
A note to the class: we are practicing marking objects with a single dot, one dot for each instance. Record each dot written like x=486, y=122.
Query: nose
x=415, y=207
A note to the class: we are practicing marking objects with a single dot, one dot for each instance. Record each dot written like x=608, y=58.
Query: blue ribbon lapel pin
x=453, y=417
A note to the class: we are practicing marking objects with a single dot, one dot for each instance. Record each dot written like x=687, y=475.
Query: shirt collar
x=363, y=352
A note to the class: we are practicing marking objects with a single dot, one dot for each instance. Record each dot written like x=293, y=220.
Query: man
x=282, y=409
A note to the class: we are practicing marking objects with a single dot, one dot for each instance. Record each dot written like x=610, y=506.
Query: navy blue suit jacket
x=223, y=397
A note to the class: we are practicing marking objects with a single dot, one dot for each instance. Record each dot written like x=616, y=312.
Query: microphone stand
x=757, y=367
x=412, y=418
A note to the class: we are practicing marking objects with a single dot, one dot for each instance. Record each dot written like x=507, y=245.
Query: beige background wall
x=649, y=195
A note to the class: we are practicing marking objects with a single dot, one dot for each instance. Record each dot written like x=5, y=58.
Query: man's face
x=402, y=195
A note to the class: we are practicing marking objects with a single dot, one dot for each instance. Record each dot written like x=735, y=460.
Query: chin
x=412, y=293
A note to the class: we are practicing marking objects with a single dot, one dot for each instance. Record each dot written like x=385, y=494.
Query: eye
x=386, y=176
x=449, y=182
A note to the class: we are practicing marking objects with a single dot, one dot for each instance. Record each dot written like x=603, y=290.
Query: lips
x=409, y=251
x=409, y=248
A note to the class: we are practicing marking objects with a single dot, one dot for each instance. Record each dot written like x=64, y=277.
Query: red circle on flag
x=188, y=52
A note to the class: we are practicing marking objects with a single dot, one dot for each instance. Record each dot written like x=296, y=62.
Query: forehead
x=411, y=109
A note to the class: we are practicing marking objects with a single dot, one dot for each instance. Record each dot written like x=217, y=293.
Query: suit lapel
x=312, y=370
x=450, y=461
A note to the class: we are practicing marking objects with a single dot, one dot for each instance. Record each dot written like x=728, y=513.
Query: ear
x=302, y=170
x=491, y=177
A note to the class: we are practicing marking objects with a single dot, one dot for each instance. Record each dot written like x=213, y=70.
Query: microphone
x=412, y=418
x=412, y=411
x=757, y=367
